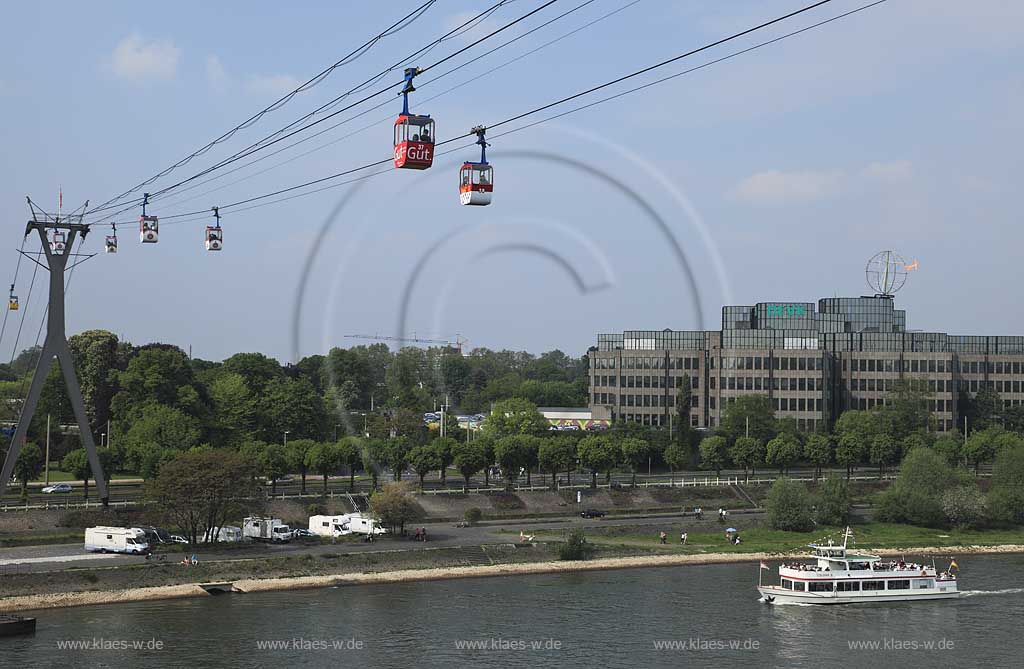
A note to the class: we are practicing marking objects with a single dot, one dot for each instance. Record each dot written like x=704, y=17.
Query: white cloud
x=900, y=170
x=775, y=187
x=216, y=75
x=274, y=84
x=137, y=59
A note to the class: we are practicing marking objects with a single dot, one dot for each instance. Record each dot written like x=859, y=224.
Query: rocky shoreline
x=60, y=600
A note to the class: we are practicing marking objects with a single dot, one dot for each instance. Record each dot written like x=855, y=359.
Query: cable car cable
x=385, y=103
x=24, y=313
x=260, y=146
x=519, y=116
x=449, y=35
x=408, y=19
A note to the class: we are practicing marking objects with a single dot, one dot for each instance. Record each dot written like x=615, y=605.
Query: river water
x=622, y=618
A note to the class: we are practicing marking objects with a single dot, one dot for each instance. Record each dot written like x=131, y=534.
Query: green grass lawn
x=868, y=537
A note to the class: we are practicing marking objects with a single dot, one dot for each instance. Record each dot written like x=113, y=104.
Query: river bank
x=251, y=585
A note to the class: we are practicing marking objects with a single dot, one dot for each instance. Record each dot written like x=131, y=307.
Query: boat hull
x=775, y=595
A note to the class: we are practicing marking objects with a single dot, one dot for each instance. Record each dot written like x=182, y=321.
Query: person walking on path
x=663, y=537
x=682, y=538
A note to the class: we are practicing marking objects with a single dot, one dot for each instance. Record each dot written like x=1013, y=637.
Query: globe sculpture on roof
x=886, y=272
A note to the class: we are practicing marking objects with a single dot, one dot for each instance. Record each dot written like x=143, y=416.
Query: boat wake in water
x=1006, y=591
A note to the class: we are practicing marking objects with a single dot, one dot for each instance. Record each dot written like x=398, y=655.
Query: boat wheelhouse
x=842, y=576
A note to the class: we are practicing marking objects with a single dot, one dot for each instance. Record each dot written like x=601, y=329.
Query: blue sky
x=778, y=173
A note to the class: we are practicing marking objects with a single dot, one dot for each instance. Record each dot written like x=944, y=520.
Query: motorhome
x=330, y=526
x=266, y=529
x=360, y=524
x=129, y=540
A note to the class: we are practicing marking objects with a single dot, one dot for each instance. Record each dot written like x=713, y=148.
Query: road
x=131, y=490
x=64, y=556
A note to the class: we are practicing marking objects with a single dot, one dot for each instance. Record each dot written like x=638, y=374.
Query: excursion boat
x=843, y=577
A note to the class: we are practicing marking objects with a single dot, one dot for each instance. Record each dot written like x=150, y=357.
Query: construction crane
x=457, y=344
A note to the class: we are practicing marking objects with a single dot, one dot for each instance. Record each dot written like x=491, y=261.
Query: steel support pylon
x=56, y=346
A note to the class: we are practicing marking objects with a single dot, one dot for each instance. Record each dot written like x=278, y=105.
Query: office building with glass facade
x=812, y=361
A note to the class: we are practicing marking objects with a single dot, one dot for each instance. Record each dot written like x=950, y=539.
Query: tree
x=293, y=406
x=1006, y=497
x=423, y=460
x=273, y=464
x=789, y=506
x=556, y=454
x=985, y=409
x=783, y=451
x=155, y=425
x=884, y=451
x=907, y=409
x=323, y=459
x=748, y=453
x=677, y=456
x=200, y=491
x=394, y=506
x=833, y=502
x=235, y=409
x=713, y=454
x=949, y=448
x=818, y=450
x=76, y=463
x=443, y=447
x=257, y=369
x=634, y=452
x=409, y=424
x=469, y=458
x=684, y=402
x=486, y=442
x=981, y=446
x=516, y=416
x=370, y=454
x=28, y=466
x=596, y=453
x=753, y=411
x=575, y=546
x=295, y=454
x=512, y=454
x=95, y=354
x=396, y=455
x=851, y=450
x=349, y=451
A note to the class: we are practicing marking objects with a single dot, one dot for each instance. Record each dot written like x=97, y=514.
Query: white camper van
x=227, y=533
x=329, y=526
x=361, y=524
x=266, y=529
x=129, y=540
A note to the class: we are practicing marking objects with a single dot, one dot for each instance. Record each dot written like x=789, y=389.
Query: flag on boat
x=953, y=564
x=764, y=565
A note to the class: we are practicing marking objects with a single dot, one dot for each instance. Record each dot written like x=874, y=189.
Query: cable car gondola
x=110, y=243
x=214, y=234
x=476, y=180
x=12, y=300
x=58, y=243
x=414, y=133
x=149, y=226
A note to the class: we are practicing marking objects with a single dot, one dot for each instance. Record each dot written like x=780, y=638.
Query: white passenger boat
x=840, y=576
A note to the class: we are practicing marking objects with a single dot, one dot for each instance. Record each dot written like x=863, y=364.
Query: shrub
x=789, y=506
x=833, y=502
x=473, y=515
x=316, y=509
x=916, y=496
x=964, y=507
x=575, y=547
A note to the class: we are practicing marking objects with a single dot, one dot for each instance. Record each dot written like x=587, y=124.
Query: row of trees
x=152, y=402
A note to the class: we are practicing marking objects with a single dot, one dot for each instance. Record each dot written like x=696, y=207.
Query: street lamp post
x=286, y=438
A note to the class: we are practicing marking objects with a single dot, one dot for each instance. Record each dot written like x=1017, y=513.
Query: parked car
x=301, y=533
x=156, y=535
x=592, y=513
x=57, y=488
x=178, y=539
